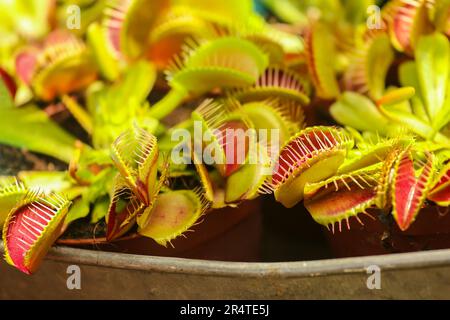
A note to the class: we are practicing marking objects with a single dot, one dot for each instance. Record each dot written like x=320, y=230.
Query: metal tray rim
x=414, y=260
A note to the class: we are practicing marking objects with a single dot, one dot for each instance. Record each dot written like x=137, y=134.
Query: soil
x=83, y=229
x=13, y=160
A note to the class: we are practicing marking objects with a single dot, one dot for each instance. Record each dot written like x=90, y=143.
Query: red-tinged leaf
x=204, y=176
x=311, y=156
x=26, y=64
x=144, y=215
x=409, y=192
x=31, y=229
x=9, y=82
x=123, y=211
x=60, y=65
x=383, y=200
x=235, y=148
x=171, y=32
x=342, y=197
x=440, y=192
x=128, y=24
x=408, y=19
x=135, y=154
x=225, y=141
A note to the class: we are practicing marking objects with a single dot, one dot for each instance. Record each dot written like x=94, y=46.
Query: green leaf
x=10, y=194
x=78, y=112
x=356, y=10
x=408, y=76
x=320, y=45
x=100, y=209
x=286, y=11
x=26, y=17
x=30, y=128
x=432, y=59
x=6, y=100
x=379, y=59
x=48, y=181
x=111, y=118
x=359, y=112
x=220, y=11
x=80, y=209
x=443, y=117
x=414, y=124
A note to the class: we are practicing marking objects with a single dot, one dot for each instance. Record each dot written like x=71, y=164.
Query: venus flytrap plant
x=410, y=168
x=398, y=182
x=62, y=64
x=220, y=122
x=441, y=17
x=279, y=117
x=137, y=199
x=341, y=197
x=172, y=30
x=32, y=227
x=252, y=75
x=11, y=192
x=311, y=155
x=370, y=65
x=320, y=45
x=135, y=155
x=276, y=82
x=39, y=128
x=440, y=192
x=408, y=190
x=246, y=183
x=407, y=21
x=128, y=23
x=228, y=62
x=173, y=214
x=106, y=104
x=425, y=82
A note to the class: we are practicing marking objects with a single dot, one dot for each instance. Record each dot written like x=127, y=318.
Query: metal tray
x=104, y=275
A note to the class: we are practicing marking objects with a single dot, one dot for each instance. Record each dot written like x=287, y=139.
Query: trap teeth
x=310, y=156
x=32, y=227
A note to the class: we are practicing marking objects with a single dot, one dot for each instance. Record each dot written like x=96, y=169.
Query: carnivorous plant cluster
x=185, y=106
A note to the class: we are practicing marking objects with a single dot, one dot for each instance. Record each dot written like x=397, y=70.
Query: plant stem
x=93, y=241
x=81, y=115
x=169, y=103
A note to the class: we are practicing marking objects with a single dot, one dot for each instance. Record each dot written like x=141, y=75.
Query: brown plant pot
x=381, y=235
x=228, y=234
